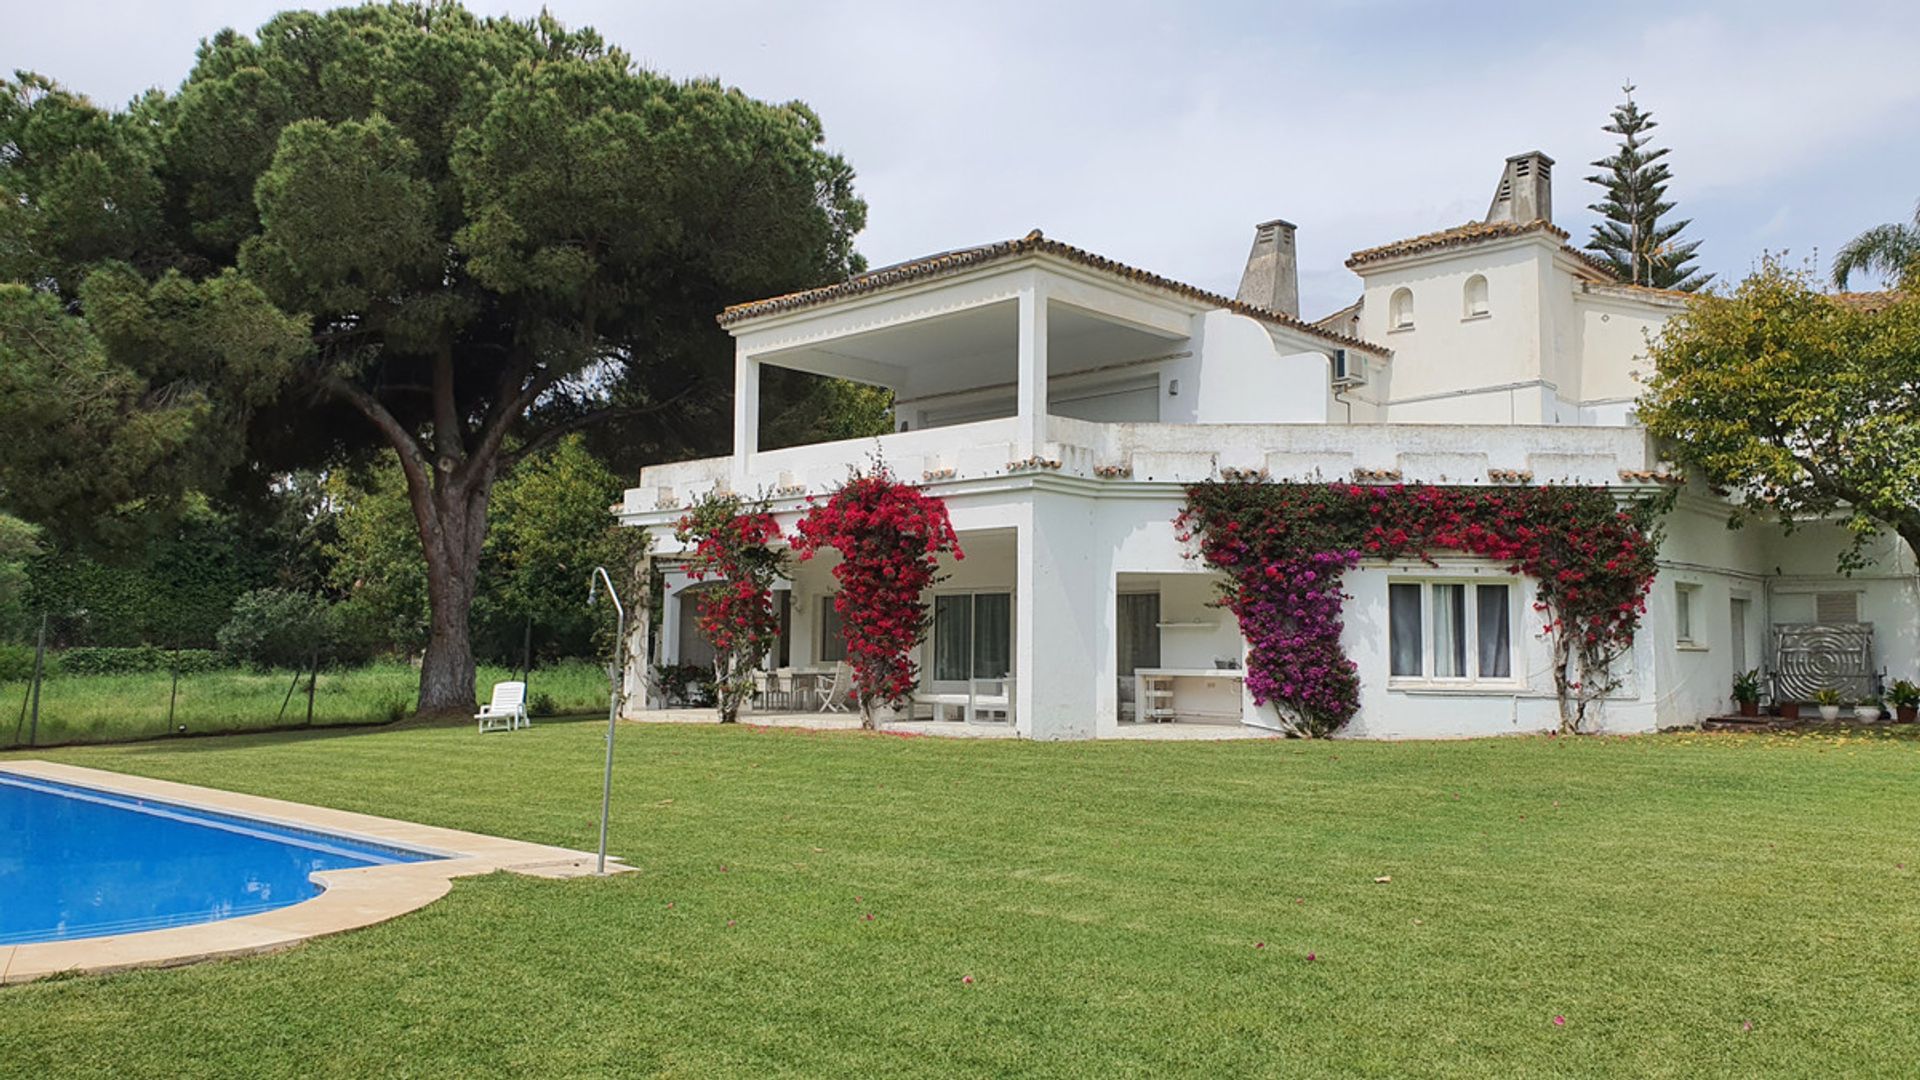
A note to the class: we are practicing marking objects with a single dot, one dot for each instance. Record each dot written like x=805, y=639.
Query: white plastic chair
x=832, y=694
x=989, y=705
x=507, y=710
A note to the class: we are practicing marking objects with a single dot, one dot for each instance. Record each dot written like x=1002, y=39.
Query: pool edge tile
x=352, y=898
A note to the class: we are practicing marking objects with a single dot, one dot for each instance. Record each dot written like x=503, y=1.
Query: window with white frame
x=1450, y=631
x=1686, y=613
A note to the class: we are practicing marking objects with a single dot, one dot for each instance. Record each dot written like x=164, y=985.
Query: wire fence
x=57, y=692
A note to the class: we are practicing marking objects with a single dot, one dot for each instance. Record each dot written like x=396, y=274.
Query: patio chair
x=832, y=693
x=990, y=698
x=507, y=710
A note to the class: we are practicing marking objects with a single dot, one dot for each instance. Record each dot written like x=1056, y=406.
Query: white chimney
x=1526, y=190
x=1272, y=277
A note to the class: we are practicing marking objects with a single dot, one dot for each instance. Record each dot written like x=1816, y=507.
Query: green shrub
x=16, y=663
x=543, y=705
x=133, y=660
x=279, y=628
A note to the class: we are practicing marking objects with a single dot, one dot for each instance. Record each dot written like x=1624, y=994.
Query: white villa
x=1059, y=402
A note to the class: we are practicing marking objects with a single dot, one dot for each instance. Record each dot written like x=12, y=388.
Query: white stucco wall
x=1237, y=374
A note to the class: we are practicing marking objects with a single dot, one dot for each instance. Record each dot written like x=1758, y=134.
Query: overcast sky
x=1159, y=134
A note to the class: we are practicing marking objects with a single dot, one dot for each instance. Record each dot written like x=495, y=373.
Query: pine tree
x=1631, y=238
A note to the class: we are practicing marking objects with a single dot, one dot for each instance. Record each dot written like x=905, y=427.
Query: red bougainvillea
x=732, y=542
x=889, y=536
x=1283, y=548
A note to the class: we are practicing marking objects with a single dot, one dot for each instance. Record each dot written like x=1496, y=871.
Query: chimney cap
x=1276, y=221
x=1541, y=154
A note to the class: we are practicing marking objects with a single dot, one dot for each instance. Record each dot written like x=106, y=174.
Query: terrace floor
x=949, y=729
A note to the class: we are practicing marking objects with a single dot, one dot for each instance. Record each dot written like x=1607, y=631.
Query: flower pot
x=1789, y=710
x=1867, y=714
x=1749, y=708
x=1829, y=713
x=1905, y=713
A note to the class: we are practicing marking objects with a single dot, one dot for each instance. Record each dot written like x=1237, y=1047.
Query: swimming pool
x=79, y=862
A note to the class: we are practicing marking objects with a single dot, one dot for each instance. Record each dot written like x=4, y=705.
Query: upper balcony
x=1028, y=329
x=980, y=454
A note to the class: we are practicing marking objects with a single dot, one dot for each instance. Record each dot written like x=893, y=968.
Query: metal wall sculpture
x=1810, y=657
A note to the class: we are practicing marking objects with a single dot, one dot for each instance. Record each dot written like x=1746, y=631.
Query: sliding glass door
x=972, y=636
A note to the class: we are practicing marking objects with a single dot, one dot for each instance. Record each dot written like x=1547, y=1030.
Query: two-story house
x=1060, y=402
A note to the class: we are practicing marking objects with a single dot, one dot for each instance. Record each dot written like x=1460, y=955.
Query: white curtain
x=1449, y=631
x=1493, y=627
x=1403, y=627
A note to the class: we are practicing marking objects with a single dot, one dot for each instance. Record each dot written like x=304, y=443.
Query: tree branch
x=413, y=460
x=449, y=443
x=517, y=395
x=554, y=434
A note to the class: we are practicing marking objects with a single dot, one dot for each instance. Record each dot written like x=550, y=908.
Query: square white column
x=746, y=420
x=1032, y=393
x=1062, y=646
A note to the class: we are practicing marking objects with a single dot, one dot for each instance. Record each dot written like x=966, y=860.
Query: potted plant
x=1904, y=696
x=1829, y=701
x=1746, y=692
x=1867, y=711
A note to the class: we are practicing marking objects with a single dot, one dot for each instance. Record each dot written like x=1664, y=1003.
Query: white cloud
x=1159, y=134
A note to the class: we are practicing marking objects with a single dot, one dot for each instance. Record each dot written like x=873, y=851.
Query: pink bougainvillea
x=733, y=543
x=890, y=536
x=1284, y=547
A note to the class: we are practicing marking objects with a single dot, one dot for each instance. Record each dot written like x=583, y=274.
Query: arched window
x=1473, y=301
x=1400, y=310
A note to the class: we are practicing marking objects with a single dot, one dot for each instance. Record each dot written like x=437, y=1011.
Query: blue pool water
x=76, y=862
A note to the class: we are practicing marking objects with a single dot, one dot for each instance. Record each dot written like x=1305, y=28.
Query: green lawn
x=118, y=708
x=1108, y=901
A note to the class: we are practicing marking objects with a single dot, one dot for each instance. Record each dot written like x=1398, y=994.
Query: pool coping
x=352, y=898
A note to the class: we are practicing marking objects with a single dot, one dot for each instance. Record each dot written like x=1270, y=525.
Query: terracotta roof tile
x=1473, y=232
x=1864, y=301
x=952, y=262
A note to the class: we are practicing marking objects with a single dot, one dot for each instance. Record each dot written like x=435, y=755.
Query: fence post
x=526, y=660
x=39, y=666
x=313, y=676
x=291, y=687
x=173, y=695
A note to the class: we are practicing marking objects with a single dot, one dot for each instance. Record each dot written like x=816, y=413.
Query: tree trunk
x=1910, y=532
x=452, y=521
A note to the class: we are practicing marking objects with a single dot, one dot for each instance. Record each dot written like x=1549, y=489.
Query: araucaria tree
x=393, y=228
x=732, y=543
x=1632, y=236
x=1805, y=406
x=890, y=537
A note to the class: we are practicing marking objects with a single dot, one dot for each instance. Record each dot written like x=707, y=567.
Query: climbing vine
x=1284, y=548
x=890, y=536
x=732, y=541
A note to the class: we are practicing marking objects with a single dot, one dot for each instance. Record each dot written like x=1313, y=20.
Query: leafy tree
x=1807, y=406
x=1631, y=237
x=491, y=233
x=172, y=584
x=280, y=628
x=551, y=528
x=374, y=557
x=19, y=543
x=1892, y=251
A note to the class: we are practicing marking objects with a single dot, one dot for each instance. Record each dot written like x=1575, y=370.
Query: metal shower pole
x=616, y=675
